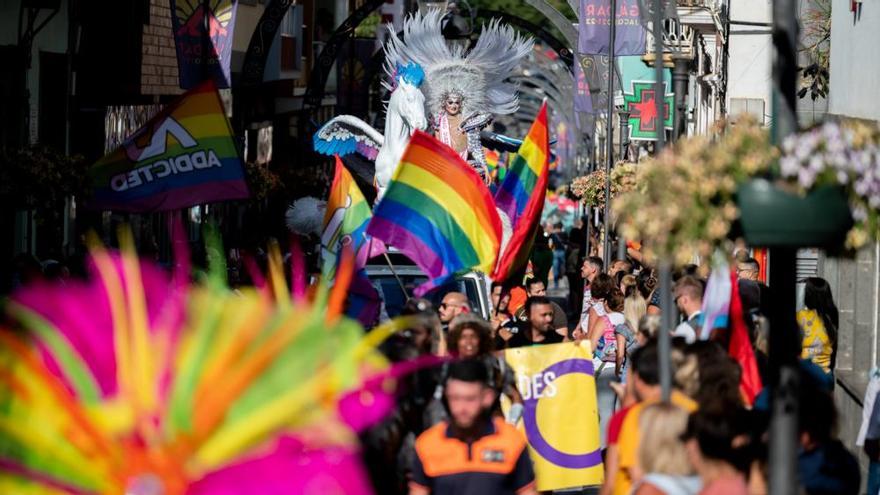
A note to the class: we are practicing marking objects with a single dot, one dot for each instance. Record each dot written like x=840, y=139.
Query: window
x=748, y=106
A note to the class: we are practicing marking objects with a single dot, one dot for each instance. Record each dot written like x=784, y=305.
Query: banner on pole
x=182, y=157
x=203, y=37
x=560, y=417
x=582, y=100
x=594, y=28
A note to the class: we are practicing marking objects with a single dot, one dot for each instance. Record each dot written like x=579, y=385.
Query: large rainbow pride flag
x=183, y=156
x=438, y=212
x=521, y=196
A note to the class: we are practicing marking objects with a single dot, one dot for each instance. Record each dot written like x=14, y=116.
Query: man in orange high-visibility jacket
x=473, y=453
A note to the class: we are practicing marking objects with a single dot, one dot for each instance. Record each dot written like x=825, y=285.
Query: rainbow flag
x=521, y=196
x=345, y=222
x=345, y=225
x=438, y=212
x=183, y=156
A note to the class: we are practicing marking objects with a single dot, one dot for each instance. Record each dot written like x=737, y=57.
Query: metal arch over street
x=261, y=42
x=327, y=57
x=565, y=53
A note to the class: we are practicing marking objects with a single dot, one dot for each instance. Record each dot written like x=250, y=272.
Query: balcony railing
x=678, y=40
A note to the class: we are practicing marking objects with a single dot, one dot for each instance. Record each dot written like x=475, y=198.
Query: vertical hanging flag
x=521, y=196
x=438, y=212
x=345, y=226
x=183, y=156
x=582, y=100
x=203, y=37
x=594, y=28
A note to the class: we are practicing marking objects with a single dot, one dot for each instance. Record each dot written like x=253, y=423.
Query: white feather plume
x=306, y=216
x=478, y=76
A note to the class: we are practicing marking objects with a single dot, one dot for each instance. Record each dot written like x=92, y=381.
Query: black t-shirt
x=523, y=337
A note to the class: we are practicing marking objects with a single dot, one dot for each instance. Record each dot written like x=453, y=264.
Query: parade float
x=448, y=91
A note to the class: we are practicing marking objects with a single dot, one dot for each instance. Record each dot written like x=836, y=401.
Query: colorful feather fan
x=140, y=383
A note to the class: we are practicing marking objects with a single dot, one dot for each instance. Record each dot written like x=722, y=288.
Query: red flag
x=521, y=197
x=740, y=347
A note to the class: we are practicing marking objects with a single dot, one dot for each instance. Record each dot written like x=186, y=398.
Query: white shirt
x=585, y=311
x=686, y=330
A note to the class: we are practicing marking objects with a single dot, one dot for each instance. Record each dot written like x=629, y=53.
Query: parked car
x=475, y=286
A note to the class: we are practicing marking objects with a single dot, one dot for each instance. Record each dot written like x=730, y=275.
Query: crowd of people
x=707, y=439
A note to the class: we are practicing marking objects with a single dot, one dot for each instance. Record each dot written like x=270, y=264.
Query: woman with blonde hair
x=663, y=458
x=634, y=304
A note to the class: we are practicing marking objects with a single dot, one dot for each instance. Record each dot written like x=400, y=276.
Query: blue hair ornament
x=412, y=73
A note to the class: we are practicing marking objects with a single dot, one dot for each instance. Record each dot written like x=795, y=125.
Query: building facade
x=855, y=282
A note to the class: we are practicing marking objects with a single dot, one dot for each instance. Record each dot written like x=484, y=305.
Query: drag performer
x=463, y=90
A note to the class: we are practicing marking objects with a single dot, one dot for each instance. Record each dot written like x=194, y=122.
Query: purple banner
x=582, y=100
x=203, y=33
x=594, y=28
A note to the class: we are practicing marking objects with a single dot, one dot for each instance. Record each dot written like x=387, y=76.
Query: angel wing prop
x=348, y=134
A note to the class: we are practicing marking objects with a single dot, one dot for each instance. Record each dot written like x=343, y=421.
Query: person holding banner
x=470, y=337
x=472, y=453
x=536, y=329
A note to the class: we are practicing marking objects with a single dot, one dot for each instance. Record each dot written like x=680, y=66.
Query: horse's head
x=407, y=99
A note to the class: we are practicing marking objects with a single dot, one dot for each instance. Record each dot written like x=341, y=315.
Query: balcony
x=678, y=41
x=703, y=15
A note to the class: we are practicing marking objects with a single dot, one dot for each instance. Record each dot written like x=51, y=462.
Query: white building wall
x=750, y=55
x=855, y=60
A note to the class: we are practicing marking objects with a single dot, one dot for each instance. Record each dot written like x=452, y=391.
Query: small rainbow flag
x=345, y=222
x=438, y=212
x=492, y=158
x=183, y=156
x=345, y=225
x=521, y=196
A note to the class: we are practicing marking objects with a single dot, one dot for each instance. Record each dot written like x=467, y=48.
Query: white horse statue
x=405, y=113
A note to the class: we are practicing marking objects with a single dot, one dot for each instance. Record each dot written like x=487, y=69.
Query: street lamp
x=624, y=131
x=456, y=28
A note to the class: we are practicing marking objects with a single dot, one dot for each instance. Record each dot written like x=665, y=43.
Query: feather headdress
x=478, y=76
x=138, y=383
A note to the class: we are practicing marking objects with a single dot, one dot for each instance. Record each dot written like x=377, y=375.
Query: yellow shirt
x=816, y=344
x=628, y=441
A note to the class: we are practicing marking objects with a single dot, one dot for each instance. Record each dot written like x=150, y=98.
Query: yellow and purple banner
x=183, y=156
x=560, y=416
x=203, y=32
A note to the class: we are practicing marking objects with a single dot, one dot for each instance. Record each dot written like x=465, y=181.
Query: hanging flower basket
x=590, y=188
x=684, y=203
x=833, y=166
x=773, y=216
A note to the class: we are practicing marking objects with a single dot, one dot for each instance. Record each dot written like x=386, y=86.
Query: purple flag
x=582, y=100
x=594, y=28
x=203, y=37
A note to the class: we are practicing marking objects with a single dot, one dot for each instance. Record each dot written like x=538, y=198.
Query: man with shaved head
x=454, y=304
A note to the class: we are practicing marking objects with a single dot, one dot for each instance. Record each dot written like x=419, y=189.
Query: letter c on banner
x=119, y=182
x=533, y=431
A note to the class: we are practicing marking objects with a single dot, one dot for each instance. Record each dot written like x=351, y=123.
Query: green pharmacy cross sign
x=643, y=111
